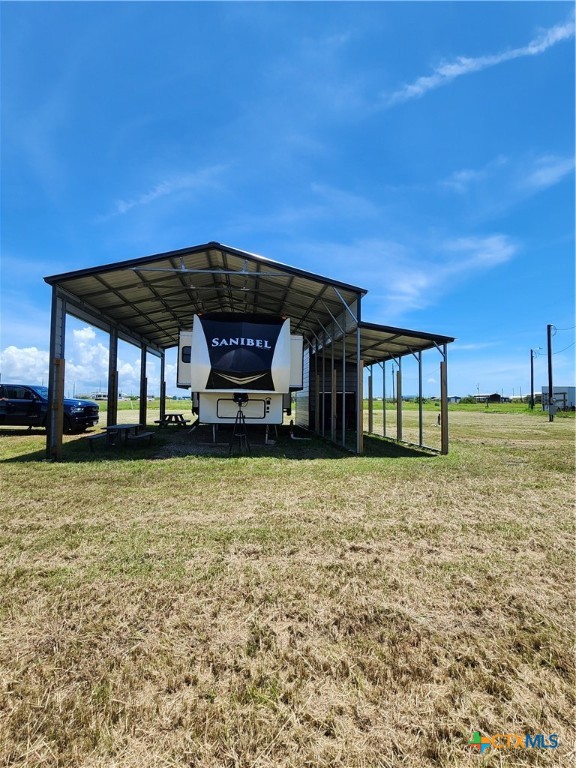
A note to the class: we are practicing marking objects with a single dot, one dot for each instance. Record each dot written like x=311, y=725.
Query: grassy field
x=170, y=606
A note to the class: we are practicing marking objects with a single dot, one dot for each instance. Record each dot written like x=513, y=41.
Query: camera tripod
x=240, y=432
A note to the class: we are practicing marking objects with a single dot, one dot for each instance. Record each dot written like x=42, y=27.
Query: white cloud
x=448, y=71
x=402, y=277
x=547, y=171
x=473, y=252
x=25, y=365
x=344, y=203
x=202, y=180
x=86, y=365
x=82, y=335
x=471, y=347
x=412, y=284
x=506, y=181
x=461, y=180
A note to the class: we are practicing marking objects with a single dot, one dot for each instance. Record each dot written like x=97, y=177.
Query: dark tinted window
x=186, y=354
x=18, y=393
x=42, y=391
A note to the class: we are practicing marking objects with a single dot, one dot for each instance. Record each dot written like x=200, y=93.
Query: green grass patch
x=168, y=605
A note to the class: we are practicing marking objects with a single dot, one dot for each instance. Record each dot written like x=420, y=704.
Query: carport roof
x=155, y=297
x=379, y=343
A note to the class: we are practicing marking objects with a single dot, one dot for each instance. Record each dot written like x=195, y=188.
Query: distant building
x=526, y=398
x=491, y=398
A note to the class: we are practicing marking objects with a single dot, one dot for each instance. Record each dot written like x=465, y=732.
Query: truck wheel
x=68, y=428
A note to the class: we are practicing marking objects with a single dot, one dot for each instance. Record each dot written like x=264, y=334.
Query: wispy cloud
x=202, y=180
x=473, y=346
x=473, y=252
x=404, y=277
x=547, y=171
x=503, y=183
x=460, y=181
x=413, y=284
x=448, y=71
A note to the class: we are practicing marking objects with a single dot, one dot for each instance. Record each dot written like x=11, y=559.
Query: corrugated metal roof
x=157, y=296
x=383, y=342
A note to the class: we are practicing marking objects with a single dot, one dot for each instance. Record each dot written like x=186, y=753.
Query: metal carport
x=147, y=301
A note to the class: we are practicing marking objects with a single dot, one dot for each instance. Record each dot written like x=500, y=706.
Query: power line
x=563, y=329
x=564, y=350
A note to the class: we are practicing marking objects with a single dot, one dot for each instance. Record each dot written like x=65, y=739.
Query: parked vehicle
x=24, y=405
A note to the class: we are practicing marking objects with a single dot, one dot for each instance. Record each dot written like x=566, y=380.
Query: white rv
x=234, y=360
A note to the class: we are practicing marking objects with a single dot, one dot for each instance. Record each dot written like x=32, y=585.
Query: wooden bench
x=141, y=436
x=92, y=438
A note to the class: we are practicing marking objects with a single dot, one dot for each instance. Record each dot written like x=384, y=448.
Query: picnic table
x=177, y=419
x=121, y=434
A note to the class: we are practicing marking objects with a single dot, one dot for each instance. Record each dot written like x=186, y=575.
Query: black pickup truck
x=24, y=405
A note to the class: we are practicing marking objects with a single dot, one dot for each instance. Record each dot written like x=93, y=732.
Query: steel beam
x=55, y=417
x=112, y=405
x=370, y=403
x=399, y=401
x=162, y=386
x=444, y=404
x=143, y=385
x=359, y=395
x=420, y=407
x=344, y=391
x=383, y=366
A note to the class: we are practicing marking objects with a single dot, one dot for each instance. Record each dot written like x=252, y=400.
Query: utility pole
x=531, y=379
x=532, y=351
x=551, y=408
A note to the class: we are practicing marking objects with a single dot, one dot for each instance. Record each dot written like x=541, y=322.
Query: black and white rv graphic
x=229, y=353
x=245, y=351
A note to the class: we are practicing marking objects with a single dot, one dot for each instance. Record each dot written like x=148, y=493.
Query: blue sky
x=424, y=151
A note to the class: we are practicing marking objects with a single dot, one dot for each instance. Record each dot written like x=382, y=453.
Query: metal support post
x=57, y=413
x=332, y=391
x=370, y=403
x=55, y=423
x=383, y=399
x=112, y=412
x=317, y=405
x=344, y=391
x=324, y=385
x=420, y=407
x=333, y=404
x=359, y=396
x=162, y=386
x=360, y=410
x=399, y=401
x=444, y=405
x=143, y=385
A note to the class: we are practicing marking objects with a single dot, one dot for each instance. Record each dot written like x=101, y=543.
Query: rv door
x=184, y=368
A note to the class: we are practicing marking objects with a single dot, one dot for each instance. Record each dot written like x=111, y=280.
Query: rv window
x=186, y=354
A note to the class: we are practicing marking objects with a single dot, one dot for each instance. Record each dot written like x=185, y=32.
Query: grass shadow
x=170, y=443
x=382, y=447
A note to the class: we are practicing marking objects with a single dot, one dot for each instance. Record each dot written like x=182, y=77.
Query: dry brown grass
x=165, y=609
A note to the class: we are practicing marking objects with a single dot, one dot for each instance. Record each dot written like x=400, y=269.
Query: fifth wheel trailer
x=231, y=360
